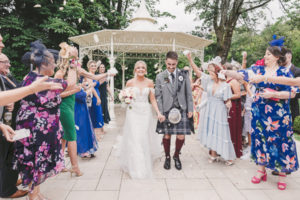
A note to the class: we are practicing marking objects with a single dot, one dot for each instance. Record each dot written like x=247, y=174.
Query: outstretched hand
x=41, y=84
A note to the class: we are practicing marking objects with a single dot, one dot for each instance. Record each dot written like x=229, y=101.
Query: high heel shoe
x=212, y=159
x=256, y=180
x=281, y=185
x=75, y=169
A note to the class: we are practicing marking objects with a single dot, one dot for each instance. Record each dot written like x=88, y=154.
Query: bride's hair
x=136, y=64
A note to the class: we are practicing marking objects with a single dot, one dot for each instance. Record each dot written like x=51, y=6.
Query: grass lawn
x=297, y=136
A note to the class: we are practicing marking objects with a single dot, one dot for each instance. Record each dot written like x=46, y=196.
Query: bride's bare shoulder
x=130, y=83
x=150, y=83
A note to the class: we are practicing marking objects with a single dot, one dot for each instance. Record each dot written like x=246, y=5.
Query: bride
x=140, y=145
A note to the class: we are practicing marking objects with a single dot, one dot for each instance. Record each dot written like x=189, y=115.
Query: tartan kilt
x=181, y=128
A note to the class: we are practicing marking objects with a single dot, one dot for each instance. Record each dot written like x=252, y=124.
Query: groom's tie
x=173, y=78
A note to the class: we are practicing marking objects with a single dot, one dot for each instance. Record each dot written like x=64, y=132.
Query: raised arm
x=244, y=63
x=86, y=74
x=194, y=66
x=70, y=91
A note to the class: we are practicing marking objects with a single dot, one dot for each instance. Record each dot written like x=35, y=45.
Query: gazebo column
x=112, y=62
x=123, y=73
x=112, y=86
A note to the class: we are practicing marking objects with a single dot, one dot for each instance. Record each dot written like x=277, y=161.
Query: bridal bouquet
x=127, y=96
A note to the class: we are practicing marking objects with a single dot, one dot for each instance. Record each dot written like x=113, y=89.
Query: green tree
x=223, y=16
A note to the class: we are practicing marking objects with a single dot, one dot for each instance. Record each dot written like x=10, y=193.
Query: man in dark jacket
x=296, y=73
x=8, y=176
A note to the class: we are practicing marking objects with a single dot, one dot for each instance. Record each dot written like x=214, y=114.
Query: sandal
x=229, y=162
x=256, y=180
x=281, y=185
x=212, y=159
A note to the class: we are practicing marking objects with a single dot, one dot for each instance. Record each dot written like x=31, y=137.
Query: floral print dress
x=272, y=138
x=40, y=155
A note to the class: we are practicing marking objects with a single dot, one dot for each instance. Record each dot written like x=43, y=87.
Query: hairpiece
x=277, y=42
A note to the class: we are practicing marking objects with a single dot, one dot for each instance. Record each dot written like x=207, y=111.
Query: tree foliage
x=224, y=15
x=53, y=21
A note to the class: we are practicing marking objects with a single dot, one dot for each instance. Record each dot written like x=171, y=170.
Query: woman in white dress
x=140, y=145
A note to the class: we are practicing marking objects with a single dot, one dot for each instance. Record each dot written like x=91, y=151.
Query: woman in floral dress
x=39, y=156
x=273, y=144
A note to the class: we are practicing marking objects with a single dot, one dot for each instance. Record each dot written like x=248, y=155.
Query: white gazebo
x=141, y=39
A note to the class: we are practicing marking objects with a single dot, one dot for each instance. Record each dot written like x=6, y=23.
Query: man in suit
x=8, y=176
x=296, y=73
x=173, y=90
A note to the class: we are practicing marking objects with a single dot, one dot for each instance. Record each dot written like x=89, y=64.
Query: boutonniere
x=166, y=79
x=180, y=78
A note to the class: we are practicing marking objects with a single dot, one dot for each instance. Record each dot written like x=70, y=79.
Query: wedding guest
x=67, y=105
x=197, y=92
x=273, y=145
x=215, y=133
x=39, y=156
x=104, y=89
x=235, y=114
x=296, y=73
x=96, y=109
x=8, y=177
x=86, y=139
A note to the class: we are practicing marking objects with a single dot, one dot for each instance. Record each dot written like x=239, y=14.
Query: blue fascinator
x=277, y=42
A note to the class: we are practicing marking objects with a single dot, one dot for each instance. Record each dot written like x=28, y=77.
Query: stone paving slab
x=104, y=180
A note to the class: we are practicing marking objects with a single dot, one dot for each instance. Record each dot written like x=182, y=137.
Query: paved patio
x=103, y=179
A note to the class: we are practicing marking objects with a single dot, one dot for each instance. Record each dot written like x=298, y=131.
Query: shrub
x=296, y=125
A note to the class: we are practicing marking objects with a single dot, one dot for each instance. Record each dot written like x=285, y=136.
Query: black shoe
x=167, y=164
x=177, y=163
x=275, y=173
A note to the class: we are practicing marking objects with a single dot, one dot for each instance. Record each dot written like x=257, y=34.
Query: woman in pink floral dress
x=39, y=156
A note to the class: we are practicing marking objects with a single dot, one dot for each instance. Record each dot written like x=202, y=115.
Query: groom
x=173, y=90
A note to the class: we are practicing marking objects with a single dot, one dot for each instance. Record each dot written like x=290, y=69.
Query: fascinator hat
x=216, y=61
x=38, y=54
x=277, y=42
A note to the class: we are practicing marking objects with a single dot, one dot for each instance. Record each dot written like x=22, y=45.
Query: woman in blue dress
x=215, y=133
x=86, y=141
x=96, y=109
x=273, y=144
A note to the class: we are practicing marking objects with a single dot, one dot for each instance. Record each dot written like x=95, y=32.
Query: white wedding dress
x=139, y=145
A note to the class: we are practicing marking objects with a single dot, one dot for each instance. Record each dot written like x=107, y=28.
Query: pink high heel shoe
x=281, y=185
x=256, y=180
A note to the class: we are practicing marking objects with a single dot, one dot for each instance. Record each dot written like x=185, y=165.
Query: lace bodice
x=142, y=95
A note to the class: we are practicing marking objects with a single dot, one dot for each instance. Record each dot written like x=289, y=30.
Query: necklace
x=271, y=71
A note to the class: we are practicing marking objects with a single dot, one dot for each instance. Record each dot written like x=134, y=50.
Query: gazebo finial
x=142, y=20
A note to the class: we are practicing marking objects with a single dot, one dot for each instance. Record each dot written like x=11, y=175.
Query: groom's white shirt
x=170, y=77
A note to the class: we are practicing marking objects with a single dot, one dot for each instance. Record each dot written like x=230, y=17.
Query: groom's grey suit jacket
x=166, y=92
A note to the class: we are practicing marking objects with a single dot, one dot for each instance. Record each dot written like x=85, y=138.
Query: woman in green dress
x=68, y=55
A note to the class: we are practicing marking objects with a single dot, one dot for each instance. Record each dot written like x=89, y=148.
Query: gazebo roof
x=141, y=36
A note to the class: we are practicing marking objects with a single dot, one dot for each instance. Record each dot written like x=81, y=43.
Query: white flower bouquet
x=127, y=96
